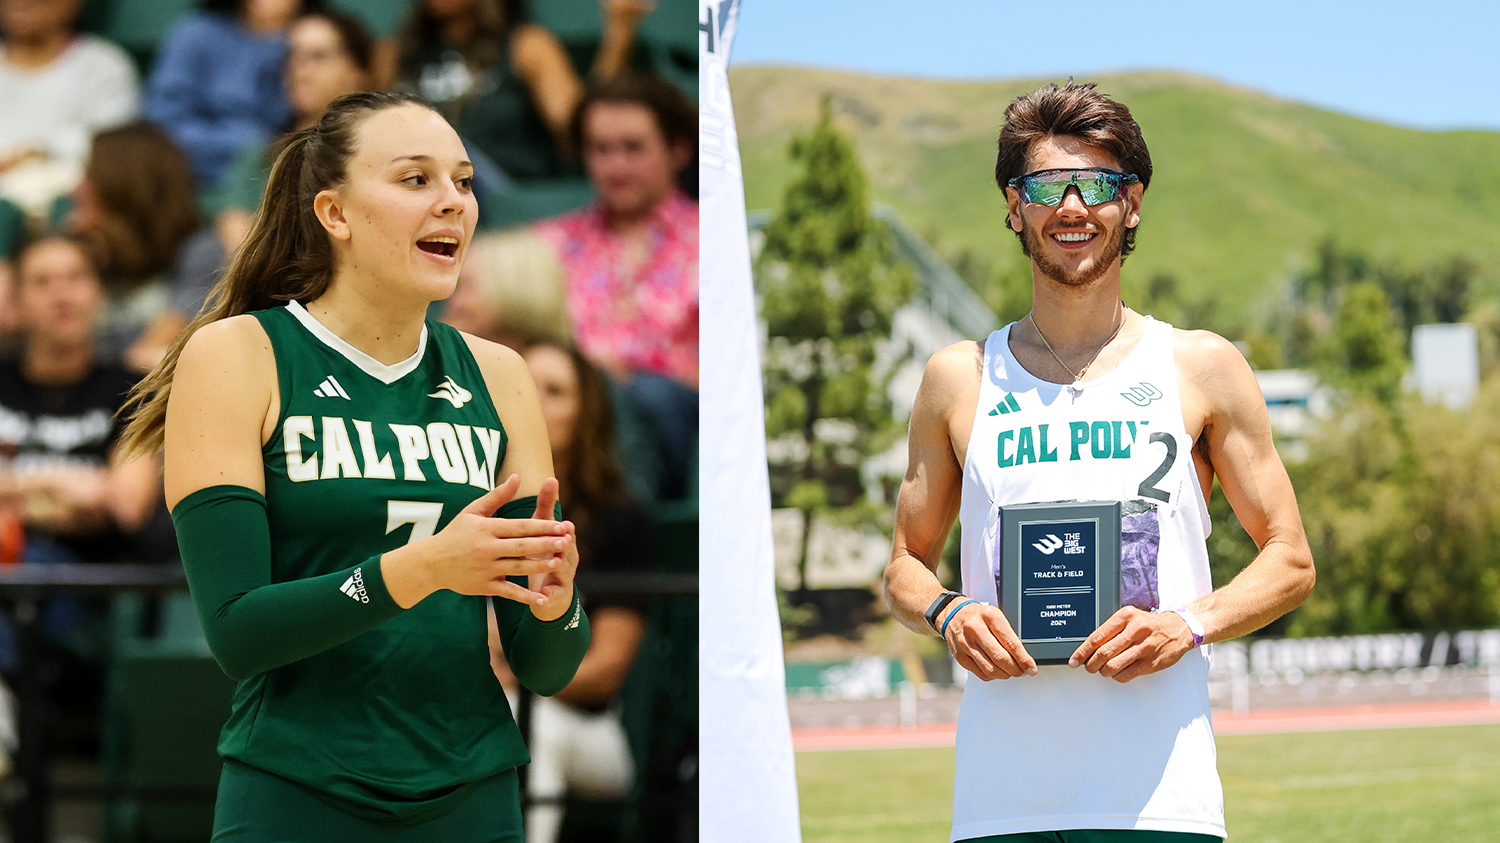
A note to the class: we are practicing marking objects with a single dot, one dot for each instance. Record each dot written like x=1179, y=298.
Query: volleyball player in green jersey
x=331, y=461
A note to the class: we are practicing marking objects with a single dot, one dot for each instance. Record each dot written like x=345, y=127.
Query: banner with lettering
x=748, y=788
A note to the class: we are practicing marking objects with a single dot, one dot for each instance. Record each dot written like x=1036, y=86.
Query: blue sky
x=1427, y=65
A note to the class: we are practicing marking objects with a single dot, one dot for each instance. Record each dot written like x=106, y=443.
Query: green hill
x=1245, y=186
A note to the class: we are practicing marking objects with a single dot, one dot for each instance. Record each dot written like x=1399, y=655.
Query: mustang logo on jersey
x=450, y=391
x=459, y=453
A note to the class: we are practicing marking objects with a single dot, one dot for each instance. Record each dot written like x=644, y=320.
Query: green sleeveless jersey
x=399, y=722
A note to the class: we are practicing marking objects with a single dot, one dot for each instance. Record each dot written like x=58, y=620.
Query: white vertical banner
x=748, y=788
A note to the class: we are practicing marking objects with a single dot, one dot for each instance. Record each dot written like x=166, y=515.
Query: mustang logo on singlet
x=450, y=391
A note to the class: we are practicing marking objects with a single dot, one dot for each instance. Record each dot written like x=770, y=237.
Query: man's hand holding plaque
x=1134, y=642
x=983, y=643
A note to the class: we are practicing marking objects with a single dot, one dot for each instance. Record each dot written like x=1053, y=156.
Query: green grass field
x=1390, y=786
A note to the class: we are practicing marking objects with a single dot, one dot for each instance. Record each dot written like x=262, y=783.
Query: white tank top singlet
x=1067, y=749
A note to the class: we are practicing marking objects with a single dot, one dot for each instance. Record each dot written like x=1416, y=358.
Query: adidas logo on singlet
x=355, y=586
x=573, y=621
x=1009, y=405
x=450, y=391
x=330, y=388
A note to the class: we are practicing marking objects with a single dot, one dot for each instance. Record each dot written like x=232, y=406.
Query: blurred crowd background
x=135, y=141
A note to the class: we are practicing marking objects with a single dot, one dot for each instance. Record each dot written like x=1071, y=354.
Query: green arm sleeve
x=252, y=624
x=543, y=655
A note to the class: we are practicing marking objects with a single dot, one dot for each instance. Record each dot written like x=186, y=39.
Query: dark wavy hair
x=1075, y=110
x=494, y=20
x=592, y=480
x=287, y=254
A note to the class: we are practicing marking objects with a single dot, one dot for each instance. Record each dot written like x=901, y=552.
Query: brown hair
x=493, y=22
x=354, y=37
x=593, y=479
x=1075, y=110
x=24, y=246
x=144, y=188
x=676, y=117
x=286, y=255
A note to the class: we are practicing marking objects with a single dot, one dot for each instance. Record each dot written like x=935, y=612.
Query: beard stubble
x=1036, y=250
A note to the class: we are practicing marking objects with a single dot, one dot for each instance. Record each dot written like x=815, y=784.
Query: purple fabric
x=1140, y=540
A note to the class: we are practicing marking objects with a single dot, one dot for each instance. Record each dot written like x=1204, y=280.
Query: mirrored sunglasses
x=1095, y=185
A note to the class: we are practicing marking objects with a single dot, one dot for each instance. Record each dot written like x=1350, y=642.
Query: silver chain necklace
x=1077, y=385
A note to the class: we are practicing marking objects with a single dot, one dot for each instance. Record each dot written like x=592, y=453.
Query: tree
x=1364, y=353
x=829, y=293
x=1403, y=519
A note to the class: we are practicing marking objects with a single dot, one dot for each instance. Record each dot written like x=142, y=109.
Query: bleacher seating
x=137, y=25
x=167, y=701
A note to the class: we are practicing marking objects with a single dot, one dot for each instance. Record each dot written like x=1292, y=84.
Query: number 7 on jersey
x=423, y=516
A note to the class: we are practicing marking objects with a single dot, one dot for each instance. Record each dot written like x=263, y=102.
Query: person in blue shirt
x=216, y=87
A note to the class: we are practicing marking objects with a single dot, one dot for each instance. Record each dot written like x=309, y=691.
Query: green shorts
x=1099, y=835
x=257, y=807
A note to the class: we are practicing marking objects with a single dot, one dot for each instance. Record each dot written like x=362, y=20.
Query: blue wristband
x=944, y=631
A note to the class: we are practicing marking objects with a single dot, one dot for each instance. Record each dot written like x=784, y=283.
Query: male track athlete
x=1085, y=399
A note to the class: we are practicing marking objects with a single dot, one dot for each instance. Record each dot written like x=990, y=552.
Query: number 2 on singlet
x=421, y=515
x=1148, y=489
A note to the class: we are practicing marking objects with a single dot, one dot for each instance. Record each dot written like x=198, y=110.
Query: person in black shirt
x=64, y=496
x=58, y=474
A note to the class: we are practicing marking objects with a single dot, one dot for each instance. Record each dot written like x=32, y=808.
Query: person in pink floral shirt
x=630, y=259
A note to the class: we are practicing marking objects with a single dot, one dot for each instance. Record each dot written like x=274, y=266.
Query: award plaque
x=1058, y=575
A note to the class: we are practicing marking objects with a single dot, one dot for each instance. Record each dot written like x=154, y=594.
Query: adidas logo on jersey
x=450, y=391
x=355, y=586
x=330, y=388
x=1009, y=405
x=573, y=621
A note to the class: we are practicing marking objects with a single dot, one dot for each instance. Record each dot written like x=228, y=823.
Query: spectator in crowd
x=58, y=87
x=65, y=496
x=631, y=259
x=577, y=742
x=508, y=86
x=329, y=54
x=57, y=404
x=510, y=291
x=135, y=210
x=216, y=86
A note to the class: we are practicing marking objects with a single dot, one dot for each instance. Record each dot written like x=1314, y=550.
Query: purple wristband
x=1195, y=626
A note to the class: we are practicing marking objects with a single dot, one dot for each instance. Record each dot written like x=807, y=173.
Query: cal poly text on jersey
x=456, y=453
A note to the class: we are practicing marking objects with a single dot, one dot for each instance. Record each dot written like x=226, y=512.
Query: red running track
x=1323, y=719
